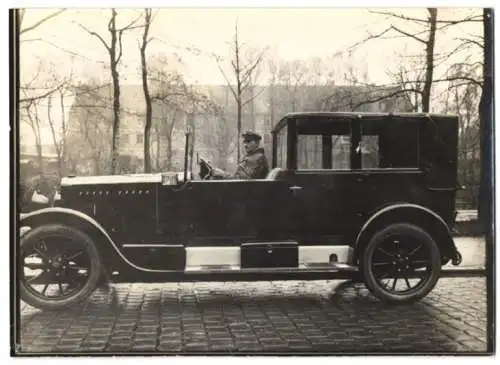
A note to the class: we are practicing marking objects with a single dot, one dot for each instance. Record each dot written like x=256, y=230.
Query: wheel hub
x=57, y=263
x=401, y=263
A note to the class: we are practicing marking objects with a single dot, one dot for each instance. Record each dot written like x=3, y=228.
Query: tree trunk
x=116, y=122
x=97, y=164
x=238, y=93
x=239, y=130
x=62, y=142
x=35, y=126
x=157, y=133
x=429, y=54
x=191, y=140
x=168, y=157
x=115, y=145
x=486, y=125
x=147, y=97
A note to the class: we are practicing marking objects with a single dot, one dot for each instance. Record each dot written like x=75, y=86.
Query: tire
x=80, y=241
x=417, y=241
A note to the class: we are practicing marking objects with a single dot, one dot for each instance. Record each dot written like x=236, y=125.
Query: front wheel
x=59, y=266
x=401, y=263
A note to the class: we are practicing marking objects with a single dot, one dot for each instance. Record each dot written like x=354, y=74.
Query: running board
x=464, y=272
x=318, y=269
x=221, y=269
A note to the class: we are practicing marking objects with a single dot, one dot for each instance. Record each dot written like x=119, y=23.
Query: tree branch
x=417, y=33
x=44, y=95
x=131, y=24
x=467, y=41
x=247, y=72
x=228, y=82
x=387, y=96
x=454, y=86
x=474, y=18
x=370, y=37
x=408, y=34
x=96, y=35
x=253, y=97
x=460, y=78
x=41, y=21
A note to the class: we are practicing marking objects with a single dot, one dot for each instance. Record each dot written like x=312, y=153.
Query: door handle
x=362, y=177
x=295, y=188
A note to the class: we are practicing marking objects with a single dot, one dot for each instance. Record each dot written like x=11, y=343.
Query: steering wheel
x=206, y=169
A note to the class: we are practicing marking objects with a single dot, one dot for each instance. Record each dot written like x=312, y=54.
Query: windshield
x=281, y=148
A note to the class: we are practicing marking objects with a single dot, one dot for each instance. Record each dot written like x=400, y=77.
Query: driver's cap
x=251, y=136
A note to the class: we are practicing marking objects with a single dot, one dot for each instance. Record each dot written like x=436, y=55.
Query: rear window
x=389, y=144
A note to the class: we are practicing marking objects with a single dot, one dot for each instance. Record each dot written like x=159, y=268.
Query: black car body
x=341, y=185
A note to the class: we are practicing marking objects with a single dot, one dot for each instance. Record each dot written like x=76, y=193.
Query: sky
x=64, y=48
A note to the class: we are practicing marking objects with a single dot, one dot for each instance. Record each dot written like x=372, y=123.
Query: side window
x=341, y=145
x=370, y=152
x=309, y=152
x=389, y=144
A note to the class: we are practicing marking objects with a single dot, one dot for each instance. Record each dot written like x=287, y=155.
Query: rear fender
x=409, y=213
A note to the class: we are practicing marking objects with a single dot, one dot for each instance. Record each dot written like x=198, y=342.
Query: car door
x=324, y=187
x=325, y=204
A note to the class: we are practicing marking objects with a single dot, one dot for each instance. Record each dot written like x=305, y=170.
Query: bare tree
x=463, y=100
x=243, y=68
x=29, y=92
x=58, y=133
x=115, y=51
x=173, y=101
x=164, y=124
x=169, y=96
x=411, y=76
x=426, y=35
x=92, y=113
x=43, y=83
x=30, y=110
x=219, y=132
x=147, y=96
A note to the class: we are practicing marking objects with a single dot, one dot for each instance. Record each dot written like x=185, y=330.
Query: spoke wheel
x=401, y=263
x=58, y=266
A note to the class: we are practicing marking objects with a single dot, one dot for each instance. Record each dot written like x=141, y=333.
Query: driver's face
x=250, y=145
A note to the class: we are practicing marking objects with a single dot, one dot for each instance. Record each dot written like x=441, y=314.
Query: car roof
x=352, y=115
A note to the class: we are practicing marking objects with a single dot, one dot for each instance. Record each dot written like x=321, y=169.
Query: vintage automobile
x=362, y=196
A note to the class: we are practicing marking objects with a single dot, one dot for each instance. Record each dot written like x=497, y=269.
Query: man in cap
x=254, y=165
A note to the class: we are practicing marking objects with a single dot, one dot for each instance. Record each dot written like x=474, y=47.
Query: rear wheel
x=59, y=267
x=401, y=263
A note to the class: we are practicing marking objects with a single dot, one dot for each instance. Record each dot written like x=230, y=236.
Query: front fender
x=46, y=214
x=73, y=218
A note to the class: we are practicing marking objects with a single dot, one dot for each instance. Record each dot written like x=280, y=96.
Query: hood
x=167, y=178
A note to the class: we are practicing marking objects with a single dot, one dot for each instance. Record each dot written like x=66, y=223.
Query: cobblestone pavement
x=326, y=316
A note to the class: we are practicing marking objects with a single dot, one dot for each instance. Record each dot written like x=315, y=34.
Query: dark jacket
x=253, y=166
